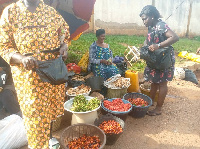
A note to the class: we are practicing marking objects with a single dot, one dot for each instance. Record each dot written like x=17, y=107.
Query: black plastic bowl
x=110, y=138
x=138, y=112
x=95, y=82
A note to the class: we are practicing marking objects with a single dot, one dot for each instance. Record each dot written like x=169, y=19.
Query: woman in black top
x=159, y=36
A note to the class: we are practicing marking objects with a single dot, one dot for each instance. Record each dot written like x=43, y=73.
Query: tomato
x=138, y=102
x=117, y=105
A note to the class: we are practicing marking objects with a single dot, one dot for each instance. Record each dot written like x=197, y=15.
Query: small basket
x=77, y=130
x=56, y=123
x=110, y=138
x=122, y=115
x=147, y=92
x=138, y=112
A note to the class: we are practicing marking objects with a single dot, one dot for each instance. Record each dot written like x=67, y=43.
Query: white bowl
x=87, y=117
x=68, y=105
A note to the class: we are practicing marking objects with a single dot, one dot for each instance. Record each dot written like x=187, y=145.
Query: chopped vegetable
x=81, y=104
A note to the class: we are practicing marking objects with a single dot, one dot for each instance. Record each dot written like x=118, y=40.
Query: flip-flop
x=152, y=113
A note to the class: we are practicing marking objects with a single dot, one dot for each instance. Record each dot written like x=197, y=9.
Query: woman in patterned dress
x=159, y=36
x=100, y=57
x=30, y=26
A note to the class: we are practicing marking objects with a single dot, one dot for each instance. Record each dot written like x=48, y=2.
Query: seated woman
x=100, y=57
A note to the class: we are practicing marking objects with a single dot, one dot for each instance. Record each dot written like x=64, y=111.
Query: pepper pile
x=81, y=104
x=111, y=126
x=84, y=142
x=138, y=102
x=117, y=105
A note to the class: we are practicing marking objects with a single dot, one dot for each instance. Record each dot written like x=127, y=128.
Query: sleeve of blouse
x=92, y=54
x=63, y=31
x=163, y=27
x=7, y=43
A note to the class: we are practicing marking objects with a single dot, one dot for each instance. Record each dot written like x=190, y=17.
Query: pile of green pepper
x=81, y=104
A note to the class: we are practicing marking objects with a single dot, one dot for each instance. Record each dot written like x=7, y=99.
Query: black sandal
x=153, y=113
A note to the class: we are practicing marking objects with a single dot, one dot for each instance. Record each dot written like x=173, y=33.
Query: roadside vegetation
x=119, y=43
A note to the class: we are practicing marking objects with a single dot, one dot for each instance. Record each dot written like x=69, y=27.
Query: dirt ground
x=177, y=127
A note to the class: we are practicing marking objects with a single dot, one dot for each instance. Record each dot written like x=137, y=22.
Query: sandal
x=153, y=113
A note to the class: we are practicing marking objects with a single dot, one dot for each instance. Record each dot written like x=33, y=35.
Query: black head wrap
x=100, y=32
x=150, y=11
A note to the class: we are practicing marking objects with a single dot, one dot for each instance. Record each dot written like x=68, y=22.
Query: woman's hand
x=106, y=62
x=63, y=51
x=29, y=62
x=153, y=47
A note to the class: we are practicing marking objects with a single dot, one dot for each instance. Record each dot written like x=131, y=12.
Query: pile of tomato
x=138, y=102
x=87, y=142
x=117, y=105
x=111, y=127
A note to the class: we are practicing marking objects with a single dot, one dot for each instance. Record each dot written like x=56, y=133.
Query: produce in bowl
x=117, y=104
x=81, y=104
x=111, y=127
x=84, y=141
x=138, y=102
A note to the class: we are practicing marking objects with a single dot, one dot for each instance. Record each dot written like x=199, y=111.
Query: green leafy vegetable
x=81, y=104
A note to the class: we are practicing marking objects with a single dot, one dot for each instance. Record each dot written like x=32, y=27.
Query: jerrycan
x=134, y=80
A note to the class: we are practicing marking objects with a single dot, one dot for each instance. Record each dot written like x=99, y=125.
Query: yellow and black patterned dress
x=25, y=32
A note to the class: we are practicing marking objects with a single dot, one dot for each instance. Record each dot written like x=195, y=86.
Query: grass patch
x=119, y=43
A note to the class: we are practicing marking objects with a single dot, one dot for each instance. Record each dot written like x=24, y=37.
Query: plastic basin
x=87, y=117
x=122, y=115
x=138, y=112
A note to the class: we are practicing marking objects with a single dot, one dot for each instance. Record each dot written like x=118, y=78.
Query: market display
x=117, y=105
x=138, y=102
x=84, y=142
x=117, y=82
x=81, y=104
x=78, y=78
x=111, y=127
x=82, y=89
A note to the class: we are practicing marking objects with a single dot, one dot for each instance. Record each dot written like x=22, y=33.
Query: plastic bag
x=118, y=59
x=73, y=67
x=179, y=73
x=183, y=54
x=117, y=82
x=190, y=56
x=12, y=132
x=122, y=66
x=190, y=76
x=83, y=63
